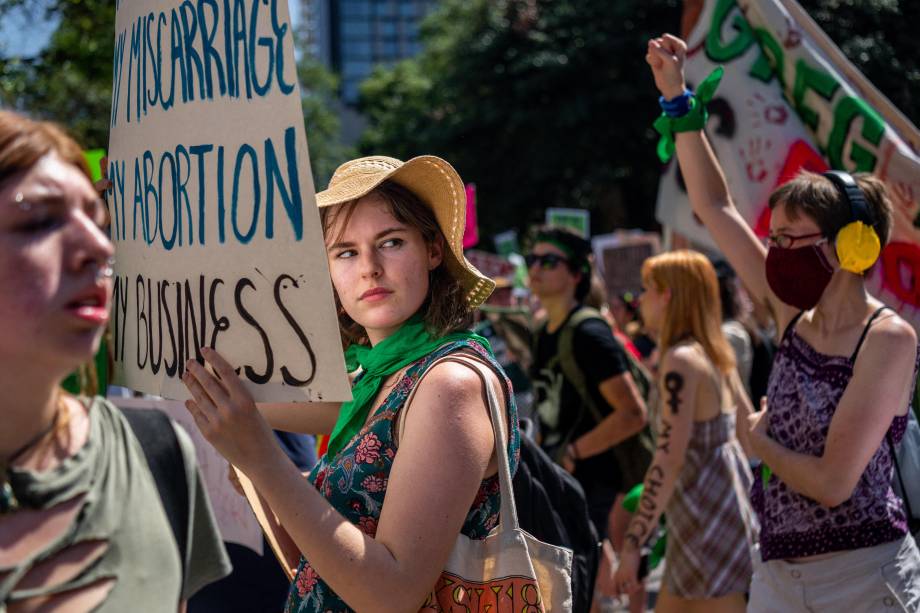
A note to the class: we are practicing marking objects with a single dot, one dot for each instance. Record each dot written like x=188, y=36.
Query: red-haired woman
x=81, y=523
x=699, y=475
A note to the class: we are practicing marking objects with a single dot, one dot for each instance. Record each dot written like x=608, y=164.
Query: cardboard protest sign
x=856, y=128
x=789, y=100
x=490, y=264
x=216, y=230
x=578, y=220
x=755, y=133
x=506, y=242
x=619, y=258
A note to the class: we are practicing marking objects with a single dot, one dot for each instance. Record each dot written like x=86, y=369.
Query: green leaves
x=550, y=103
x=539, y=102
x=70, y=80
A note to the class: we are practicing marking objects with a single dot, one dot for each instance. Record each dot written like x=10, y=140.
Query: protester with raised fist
x=833, y=532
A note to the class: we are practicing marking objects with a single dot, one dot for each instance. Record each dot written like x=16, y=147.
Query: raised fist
x=666, y=56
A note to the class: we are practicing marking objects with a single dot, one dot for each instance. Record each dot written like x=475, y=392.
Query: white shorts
x=869, y=580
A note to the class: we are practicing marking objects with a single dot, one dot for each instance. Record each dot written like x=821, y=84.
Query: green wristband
x=694, y=120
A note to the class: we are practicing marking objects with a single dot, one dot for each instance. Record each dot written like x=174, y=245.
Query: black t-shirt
x=599, y=356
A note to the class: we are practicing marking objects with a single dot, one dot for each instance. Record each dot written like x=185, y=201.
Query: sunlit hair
x=24, y=141
x=694, y=309
x=445, y=308
x=814, y=196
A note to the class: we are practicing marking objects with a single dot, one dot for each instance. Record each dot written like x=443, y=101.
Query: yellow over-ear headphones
x=858, y=245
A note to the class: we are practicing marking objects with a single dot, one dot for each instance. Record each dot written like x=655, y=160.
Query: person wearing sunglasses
x=833, y=534
x=590, y=409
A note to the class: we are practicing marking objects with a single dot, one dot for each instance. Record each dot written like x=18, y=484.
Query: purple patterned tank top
x=804, y=389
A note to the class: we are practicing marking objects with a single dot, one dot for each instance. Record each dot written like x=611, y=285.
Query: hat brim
x=438, y=185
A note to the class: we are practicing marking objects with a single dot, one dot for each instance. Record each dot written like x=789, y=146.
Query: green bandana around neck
x=408, y=344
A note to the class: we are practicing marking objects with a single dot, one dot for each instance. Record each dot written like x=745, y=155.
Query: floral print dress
x=355, y=480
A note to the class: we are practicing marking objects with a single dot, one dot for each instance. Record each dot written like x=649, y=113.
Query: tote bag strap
x=508, y=511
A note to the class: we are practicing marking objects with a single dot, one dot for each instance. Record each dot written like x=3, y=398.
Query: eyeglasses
x=547, y=261
x=785, y=241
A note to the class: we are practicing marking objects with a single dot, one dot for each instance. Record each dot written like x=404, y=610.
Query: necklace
x=8, y=501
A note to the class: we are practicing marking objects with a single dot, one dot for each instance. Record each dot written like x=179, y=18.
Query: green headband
x=580, y=262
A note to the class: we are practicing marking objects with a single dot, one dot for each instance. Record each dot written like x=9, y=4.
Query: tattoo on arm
x=641, y=526
x=664, y=437
x=673, y=383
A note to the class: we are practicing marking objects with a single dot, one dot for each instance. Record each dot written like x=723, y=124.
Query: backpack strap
x=157, y=436
x=865, y=331
x=568, y=363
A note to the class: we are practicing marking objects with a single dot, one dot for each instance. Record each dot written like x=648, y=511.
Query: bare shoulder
x=449, y=403
x=686, y=359
x=456, y=381
x=892, y=336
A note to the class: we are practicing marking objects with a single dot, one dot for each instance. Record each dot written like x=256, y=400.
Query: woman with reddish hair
x=699, y=475
x=82, y=526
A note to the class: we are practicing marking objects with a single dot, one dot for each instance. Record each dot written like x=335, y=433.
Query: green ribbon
x=694, y=120
x=408, y=344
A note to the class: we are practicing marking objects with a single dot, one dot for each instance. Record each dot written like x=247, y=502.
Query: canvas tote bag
x=509, y=571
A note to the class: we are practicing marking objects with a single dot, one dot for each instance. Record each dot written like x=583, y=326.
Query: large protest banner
x=217, y=235
x=789, y=100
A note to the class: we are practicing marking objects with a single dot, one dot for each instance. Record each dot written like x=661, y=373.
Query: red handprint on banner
x=753, y=155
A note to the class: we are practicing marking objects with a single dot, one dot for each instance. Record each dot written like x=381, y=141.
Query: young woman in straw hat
x=699, y=475
x=383, y=508
x=833, y=534
x=82, y=527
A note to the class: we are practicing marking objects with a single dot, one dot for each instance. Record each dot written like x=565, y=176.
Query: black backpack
x=154, y=431
x=552, y=507
x=635, y=453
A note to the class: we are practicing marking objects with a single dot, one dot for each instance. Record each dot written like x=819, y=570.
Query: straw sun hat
x=437, y=184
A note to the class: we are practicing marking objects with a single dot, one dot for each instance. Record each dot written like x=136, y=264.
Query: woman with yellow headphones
x=833, y=534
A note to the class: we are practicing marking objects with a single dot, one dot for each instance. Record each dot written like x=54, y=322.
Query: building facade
x=351, y=37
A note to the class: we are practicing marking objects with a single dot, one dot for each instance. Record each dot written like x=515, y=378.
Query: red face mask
x=798, y=276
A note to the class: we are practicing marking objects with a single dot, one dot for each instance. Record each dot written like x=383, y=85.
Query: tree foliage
x=539, y=102
x=70, y=80
x=879, y=37
x=323, y=128
x=549, y=102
